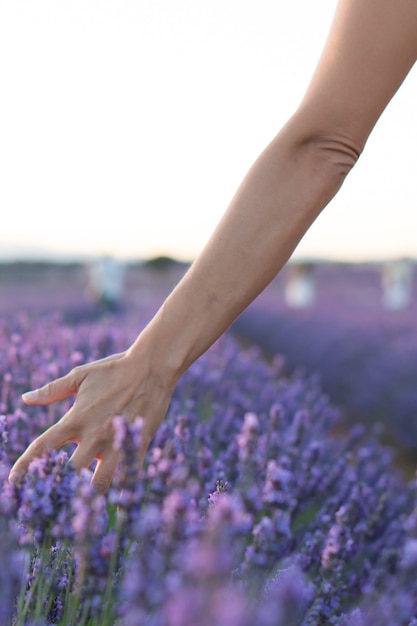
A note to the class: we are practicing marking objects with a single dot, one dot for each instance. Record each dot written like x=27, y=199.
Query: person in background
x=299, y=289
x=371, y=47
x=397, y=284
x=106, y=283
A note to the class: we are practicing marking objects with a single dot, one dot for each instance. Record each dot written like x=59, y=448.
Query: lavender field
x=363, y=352
x=250, y=510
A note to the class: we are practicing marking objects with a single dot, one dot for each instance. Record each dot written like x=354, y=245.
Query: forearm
x=277, y=201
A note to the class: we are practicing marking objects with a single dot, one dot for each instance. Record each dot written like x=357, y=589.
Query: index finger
x=57, y=389
x=51, y=439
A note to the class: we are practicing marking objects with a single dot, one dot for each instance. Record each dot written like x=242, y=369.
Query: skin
x=370, y=49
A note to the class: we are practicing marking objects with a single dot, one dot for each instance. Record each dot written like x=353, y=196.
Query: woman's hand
x=120, y=384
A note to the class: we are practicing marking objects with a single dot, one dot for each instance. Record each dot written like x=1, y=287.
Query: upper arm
x=371, y=47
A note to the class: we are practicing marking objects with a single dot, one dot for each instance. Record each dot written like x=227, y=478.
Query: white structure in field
x=299, y=290
x=397, y=283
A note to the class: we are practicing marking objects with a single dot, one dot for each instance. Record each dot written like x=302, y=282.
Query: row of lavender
x=365, y=355
x=247, y=512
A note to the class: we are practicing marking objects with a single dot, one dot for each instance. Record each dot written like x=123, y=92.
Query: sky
x=127, y=125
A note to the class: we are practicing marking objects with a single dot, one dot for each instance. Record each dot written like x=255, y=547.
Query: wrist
x=170, y=343
x=154, y=354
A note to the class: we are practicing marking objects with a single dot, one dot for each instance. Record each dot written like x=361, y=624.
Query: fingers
x=51, y=439
x=82, y=457
x=65, y=386
x=56, y=390
x=86, y=423
x=104, y=471
x=107, y=459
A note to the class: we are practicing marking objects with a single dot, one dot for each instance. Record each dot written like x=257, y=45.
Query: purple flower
x=94, y=544
x=13, y=561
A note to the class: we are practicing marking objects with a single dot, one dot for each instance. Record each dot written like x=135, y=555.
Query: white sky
x=127, y=125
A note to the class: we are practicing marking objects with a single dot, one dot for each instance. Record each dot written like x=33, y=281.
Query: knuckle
x=98, y=442
x=62, y=429
x=47, y=390
x=74, y=374
x=100, y=484
x=102, y=437
x=99, y=439
x=75, y=420
x=38, y=448
x=71, y=380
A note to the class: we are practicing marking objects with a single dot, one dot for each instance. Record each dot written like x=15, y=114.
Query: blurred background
x=127, y=126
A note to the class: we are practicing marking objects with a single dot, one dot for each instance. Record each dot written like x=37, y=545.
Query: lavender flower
x=94, y=546
x=13, y=561
x=248, y=509
x=45, y=498
x=127, y=493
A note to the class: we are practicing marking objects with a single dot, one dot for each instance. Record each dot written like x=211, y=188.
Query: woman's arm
x=371, y=47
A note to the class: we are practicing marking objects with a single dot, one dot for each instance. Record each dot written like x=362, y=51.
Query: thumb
x=52, y=392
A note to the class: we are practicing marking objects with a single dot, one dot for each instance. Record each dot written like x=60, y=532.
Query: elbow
x=331, y=148
x=334, y=154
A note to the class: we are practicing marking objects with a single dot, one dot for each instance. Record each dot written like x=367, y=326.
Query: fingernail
x=30, y=396
x=13, y=478
x=16, y=477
